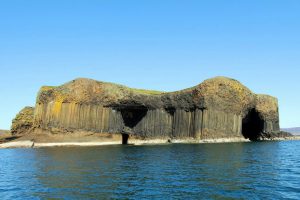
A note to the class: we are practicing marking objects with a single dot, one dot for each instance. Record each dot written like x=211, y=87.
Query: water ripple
x=262, y=170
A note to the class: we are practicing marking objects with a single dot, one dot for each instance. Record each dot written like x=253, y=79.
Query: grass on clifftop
x=135, y=90
x=147, y=92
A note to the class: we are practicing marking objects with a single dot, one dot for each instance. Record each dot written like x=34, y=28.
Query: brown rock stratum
x=217, y=108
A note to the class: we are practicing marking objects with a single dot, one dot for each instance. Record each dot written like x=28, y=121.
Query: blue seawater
x=258, y=170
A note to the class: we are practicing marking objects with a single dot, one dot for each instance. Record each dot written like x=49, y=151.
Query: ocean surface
x=259, y=170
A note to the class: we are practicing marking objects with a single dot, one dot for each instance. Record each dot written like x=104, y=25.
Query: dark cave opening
x=125, y=138
x=252, y=125
x=170, y=110
x=132, y=116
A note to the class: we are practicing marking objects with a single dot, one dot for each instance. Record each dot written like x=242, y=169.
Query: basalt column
x=217, y=108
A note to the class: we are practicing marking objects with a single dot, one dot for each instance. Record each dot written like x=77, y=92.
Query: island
x=86, y=110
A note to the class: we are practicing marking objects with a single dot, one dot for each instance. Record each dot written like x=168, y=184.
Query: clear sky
x=154, y=44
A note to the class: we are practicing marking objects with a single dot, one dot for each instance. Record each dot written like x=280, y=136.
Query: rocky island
x=217, y=109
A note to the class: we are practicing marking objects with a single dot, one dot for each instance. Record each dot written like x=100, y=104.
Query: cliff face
x=217, y=108
x=23, y=122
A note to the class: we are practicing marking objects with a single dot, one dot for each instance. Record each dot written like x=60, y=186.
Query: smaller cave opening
x=252, y=125
x=132, y=116
x=125, y=138
x=170, y=110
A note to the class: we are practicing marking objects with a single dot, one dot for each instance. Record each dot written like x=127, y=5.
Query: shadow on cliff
x=252, y=125
x=132, y=116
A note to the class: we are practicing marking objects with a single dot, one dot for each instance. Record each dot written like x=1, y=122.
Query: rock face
x=23, y=122
x=217, y=108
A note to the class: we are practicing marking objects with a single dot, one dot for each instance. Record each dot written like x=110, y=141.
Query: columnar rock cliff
x=217, y=108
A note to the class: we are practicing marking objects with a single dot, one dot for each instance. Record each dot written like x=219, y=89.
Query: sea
x=249, y=170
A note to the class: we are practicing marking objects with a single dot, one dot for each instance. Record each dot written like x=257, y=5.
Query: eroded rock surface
x=23, y=122
x=217, y=108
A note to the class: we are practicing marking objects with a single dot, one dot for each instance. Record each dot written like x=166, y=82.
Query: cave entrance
x=252, y=125
x=132, y=116
x=125, y=138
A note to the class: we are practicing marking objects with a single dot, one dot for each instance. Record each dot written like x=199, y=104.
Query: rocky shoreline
x=40, y=144
x=86, y=112
x=219, y=107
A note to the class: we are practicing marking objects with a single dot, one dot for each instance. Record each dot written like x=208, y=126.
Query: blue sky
x=163, y=45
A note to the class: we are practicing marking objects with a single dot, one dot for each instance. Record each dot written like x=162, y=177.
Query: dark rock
x=217, y=108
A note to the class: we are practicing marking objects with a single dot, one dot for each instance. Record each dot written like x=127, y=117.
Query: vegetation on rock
x=217, y=108
x=23, y=121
